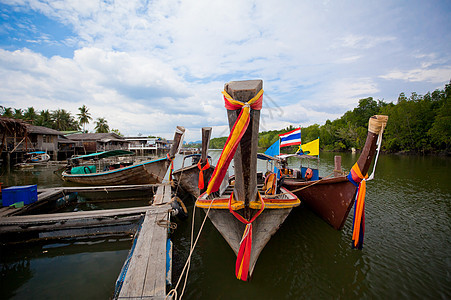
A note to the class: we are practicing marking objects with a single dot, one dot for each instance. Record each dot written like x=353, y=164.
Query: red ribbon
x=244, y=253
x=201, y=174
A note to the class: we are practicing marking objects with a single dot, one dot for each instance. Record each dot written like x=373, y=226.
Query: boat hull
x=263, y=228
x=188, y=179
x=331, y=198
x=144, y=173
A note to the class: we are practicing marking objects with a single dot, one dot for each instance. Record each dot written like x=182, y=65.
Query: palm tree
x=17, y=114
x=44, y=118
x=30, y=115
x=7, y=112
x=84, y=116
x=102, y=126
x=63, y=120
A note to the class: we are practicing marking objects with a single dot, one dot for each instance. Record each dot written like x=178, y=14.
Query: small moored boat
x=148, y=172
x=36, y=157
x=332, y=198
x=194, y=178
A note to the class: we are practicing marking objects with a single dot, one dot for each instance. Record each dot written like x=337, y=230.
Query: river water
x=406, y=254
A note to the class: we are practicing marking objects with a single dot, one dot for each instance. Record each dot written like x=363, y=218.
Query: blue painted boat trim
x=114, y=171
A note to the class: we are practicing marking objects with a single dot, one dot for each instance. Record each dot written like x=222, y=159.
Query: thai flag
x=290, y=138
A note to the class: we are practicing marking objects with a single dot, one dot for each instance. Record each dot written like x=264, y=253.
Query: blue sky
x=148, y=66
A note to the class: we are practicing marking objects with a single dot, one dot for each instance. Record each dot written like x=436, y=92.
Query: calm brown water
x=407, y=250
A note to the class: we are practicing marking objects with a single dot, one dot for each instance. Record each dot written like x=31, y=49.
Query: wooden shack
x=96, y=142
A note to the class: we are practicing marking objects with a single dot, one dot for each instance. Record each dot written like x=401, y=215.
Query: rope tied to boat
x=173, y=293
x=237, y=132
x=377, y=125
x=167, y=224
x=201, y=174
x=244, y=252
x=356, y=177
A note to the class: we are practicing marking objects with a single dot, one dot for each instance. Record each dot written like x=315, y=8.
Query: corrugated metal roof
x=95, y=137
x=43, y=130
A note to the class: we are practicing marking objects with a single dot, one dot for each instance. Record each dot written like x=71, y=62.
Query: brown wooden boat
x=333, y=198
x=244, y=215
x=148, y=172
x=187, y=177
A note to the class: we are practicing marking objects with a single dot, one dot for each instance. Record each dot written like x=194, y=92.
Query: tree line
x=59, y=119
x=419, y=124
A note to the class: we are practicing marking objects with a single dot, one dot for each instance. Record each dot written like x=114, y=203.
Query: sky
x=148, y=66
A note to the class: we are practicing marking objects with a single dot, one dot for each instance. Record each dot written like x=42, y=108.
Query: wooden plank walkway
x=74, y=224
x=146, y=273
x=51, y=194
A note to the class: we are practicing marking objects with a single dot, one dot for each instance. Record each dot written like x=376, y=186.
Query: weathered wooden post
x=179, y=131
x=245, y=159
x=206, y=133
x=337, y=169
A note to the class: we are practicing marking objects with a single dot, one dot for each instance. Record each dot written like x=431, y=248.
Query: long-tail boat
x=246, y=213
x=194, y=178
x=147, y=172
x=332, y=198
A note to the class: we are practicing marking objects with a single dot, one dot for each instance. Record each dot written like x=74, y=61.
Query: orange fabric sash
x=237, y=132
x=359, y=209
x=201, y=174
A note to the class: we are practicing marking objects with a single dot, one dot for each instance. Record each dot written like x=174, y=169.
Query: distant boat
x=245, y=211
x=37, y=157
x=148, y=172
x=194, y=178
x=331, y=198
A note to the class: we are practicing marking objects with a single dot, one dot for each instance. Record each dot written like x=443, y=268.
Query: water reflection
x=72, y=269
x=405, y=255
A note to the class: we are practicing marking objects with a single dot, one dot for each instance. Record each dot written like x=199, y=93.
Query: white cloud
x=436, y=75
x=148, y=66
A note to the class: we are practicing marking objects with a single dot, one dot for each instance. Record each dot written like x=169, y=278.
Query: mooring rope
x=173, y=292
x=299, y=189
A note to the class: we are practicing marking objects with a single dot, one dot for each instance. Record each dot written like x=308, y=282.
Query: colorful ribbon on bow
x=201, y=174
x=358, y=231
x=244, y=253
x=237, y=132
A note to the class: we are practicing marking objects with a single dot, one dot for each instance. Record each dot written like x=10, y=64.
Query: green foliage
x=267, y=138
x=102, y=126
x=416, y=124
x=44, y=119
x=419, y=123
x=218, y=143
x=30, y=115
x=62, y=120
x=116, y=131
x=59, y=119
x=84, y=116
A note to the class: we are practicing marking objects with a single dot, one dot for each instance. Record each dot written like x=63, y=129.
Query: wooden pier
x=51, y=194
x=145, y=276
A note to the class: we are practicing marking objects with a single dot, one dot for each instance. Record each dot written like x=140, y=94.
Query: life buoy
x=308, y=174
